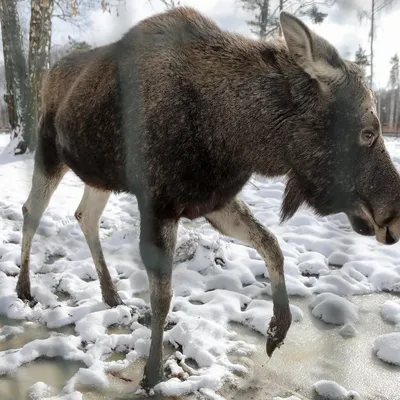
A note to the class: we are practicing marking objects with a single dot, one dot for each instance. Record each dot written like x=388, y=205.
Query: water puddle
x=123, y=384
x=54, y=372
x=312, y=351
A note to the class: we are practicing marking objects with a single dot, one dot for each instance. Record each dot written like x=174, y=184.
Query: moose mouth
x=383, y=234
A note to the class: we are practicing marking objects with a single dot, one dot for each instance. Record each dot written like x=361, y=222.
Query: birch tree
x=25, y=69
x=376, y=6
x=394, y=90
x=38, y=63
x=15, y=66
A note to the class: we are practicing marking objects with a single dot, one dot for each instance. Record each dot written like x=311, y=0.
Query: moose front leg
x=237, y=221
x=157, y=244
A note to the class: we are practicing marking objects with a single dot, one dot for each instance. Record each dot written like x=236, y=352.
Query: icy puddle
x=313, y=351
x=55, y=372
x=316, y=351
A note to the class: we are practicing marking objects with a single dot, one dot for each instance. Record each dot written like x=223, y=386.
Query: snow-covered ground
x=221, y=307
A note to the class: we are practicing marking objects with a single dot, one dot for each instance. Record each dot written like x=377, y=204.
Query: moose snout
x=390, y=237
x=386, y=225
x=393, y=231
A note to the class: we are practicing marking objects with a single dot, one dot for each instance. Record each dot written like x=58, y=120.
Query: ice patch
x=287, y=398
x=8, y=331
x=61, y=346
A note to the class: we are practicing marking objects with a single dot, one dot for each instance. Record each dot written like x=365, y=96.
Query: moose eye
x=367, y=137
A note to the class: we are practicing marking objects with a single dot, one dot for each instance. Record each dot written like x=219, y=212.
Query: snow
x=287, y=398
x=348, y=330
x=217, y=282
x=387, y=347
x=38, y=391
x=391, y=312
x=8, y=331
x=334, y=309
x=330, y=390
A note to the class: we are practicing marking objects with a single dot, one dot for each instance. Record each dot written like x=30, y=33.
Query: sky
x=342, y=27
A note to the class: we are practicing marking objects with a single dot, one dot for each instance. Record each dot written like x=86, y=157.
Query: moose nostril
x=390, y=239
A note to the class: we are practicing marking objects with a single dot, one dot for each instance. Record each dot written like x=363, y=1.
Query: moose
x=181, y=113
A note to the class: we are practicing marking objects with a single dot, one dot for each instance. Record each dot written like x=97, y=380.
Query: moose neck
x=265, y=104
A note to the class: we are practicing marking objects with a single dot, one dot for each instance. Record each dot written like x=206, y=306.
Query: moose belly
x=99, y=169
x=198, y=200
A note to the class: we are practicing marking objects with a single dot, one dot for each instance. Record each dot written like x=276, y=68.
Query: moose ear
x=312, y=53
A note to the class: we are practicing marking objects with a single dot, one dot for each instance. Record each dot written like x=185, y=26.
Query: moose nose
x=390, y=238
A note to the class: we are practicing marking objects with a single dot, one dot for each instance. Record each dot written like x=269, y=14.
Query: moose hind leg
x=43, y=186
x=236, y=220
x=157, y=245
x=88, y=215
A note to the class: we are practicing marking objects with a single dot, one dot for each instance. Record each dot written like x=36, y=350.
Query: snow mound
x=38, y=391
x=259, y=313
x=334, y=309
x=331, y=390
x=312, y=263
x=391, y=312
x=348, y=330
x=387, y=347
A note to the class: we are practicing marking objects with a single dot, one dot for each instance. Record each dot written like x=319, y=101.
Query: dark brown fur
x=185, y=113
x=181, y=114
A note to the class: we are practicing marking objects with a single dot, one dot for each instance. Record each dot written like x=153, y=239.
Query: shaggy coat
x=180, y=114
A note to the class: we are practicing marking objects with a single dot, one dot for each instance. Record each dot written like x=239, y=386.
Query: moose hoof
x=27, y=298
x=278, y=327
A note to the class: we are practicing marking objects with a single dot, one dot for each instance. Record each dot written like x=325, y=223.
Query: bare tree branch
x=376, y=6
x=171, y=3
x=265, y=22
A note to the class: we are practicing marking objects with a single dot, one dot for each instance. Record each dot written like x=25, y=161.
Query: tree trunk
x=39, y=62
x=392, y=107
x=264, y=19
x=15, y=71
x=396, y=113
